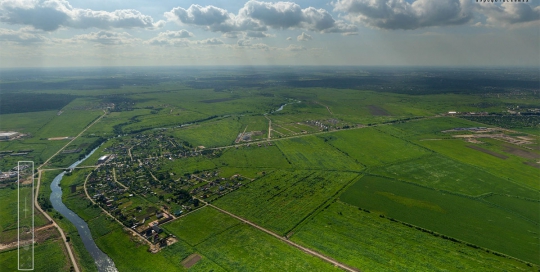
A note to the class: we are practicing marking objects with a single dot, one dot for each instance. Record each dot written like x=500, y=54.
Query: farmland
x=443, y=213
x=222, y=170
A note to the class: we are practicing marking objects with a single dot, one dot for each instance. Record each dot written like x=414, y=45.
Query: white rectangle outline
x=18, y=218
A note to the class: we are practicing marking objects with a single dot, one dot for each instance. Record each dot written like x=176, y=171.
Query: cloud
x=106, y=38
x=49, y=15
x=211, y=41
x=259, y=16
x=247, y=44
x=230, y=35
x=304, y=37
x=212, y=18
x=289, y=39
x=510, y=13
x=285, y=15
x=257, y=34
x=172, y=38
x=21, y=36
x=294, y=47
x=399, y=14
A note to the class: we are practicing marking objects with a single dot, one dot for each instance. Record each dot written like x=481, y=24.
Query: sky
x=78, y=33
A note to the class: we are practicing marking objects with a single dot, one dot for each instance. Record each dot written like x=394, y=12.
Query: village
x=130, y=187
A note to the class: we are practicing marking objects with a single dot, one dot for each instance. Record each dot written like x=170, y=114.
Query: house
x=157, y=229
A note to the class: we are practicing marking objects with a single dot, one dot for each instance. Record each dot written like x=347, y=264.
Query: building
x=103, y=159
x=8, y=135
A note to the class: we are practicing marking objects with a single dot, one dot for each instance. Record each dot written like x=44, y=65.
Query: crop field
x=48, y=257
x=371, y=147
x=378, y=244
x=201, y=225
x=442, y=173
x=428, y=128
x=69, y=123
x=313, y=153
x=282, y=199
x=512, y=168
x=28, y=122
x=524, y=207
x=444, y=213
x=210, y=134
x=163, y=118
x=243, y=248
x=267, y=157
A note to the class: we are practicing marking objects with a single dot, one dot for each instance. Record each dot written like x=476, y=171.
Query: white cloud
x=22, y=36
x=230, y=35
x=106, y=38
x=294, y=47
x=212, y=18
x=510, y=14
x=49, y=15
x=400, y=14
x=284, y=15
x=172, y=38
x=257, y=34
x=304, y=37
x=211, y=41
x=259, y=16
x=289, y=39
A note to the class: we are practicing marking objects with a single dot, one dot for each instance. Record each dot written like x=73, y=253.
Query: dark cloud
x=400, y=14
x=49, y=15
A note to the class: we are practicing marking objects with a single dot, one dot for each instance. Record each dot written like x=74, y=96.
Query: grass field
x=282, y=199
x=201, y=225
x=210, y=134
x=243, y=248
x=48, y=256
x=312, y=152
x=512, y=168
x=254, y=157
x=523, y=207
x=370, y=243
x=371, y=147
x=439, y=172
x=463, y=218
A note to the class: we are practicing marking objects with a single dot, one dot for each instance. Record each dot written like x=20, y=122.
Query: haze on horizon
x=60, y=33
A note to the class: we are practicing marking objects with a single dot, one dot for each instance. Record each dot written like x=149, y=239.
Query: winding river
x=103, y=262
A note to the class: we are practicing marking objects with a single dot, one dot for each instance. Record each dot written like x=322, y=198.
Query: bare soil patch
x=495, y=154
x=377, y=111
x=521, y=153
x=533, y=164
x=191, y=260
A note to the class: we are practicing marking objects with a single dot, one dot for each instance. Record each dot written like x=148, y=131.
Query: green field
x=455, y=216
x=48, y=256
x=243, y=248
x=371, y=147
x=439, y=172
x=313, y=153
x=282, y=199
x=201, y=225
x=370, y=243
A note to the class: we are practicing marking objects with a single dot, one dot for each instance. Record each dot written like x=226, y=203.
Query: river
x=103, y=262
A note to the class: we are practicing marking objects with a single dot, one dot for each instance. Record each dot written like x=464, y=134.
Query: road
x=36, y=203
x=66, y=243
